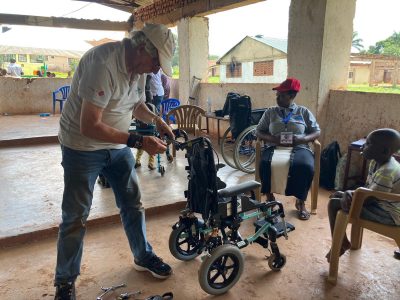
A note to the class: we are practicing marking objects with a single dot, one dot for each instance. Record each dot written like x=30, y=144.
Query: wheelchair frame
x=217, y=232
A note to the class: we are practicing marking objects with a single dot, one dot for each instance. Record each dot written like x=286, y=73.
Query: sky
x=375, y=20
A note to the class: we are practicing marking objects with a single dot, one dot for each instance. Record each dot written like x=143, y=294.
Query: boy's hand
x=346, y=201
x=337, y=194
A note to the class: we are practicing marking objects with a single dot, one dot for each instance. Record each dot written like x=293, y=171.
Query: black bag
x=202, y=186
x=239, y=110
x=329, y=159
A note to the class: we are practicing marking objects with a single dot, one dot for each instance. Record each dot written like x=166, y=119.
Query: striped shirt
x=386, y=179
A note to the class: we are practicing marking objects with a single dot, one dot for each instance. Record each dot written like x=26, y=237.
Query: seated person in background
x=383, y=175
x=287, y=162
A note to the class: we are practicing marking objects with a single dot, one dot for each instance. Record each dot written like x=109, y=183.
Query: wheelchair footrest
x=278, y=226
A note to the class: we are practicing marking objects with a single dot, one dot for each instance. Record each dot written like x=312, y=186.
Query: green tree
x=389, y=46
x=357, y=42
x=213, y=57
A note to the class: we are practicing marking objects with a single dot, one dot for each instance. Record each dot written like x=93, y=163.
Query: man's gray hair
x=138, y=37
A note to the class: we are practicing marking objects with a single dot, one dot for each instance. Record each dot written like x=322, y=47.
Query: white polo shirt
x=102, y=79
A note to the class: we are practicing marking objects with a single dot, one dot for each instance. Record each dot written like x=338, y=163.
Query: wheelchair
x=210, y=222
x=239, y=150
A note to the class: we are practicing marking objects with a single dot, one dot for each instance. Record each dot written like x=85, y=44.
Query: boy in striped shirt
x=383, y=175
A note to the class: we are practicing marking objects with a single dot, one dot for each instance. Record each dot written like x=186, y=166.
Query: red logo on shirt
x=101, y=93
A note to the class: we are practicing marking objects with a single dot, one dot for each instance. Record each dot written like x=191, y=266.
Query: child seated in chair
x=139, y=153
x=383, y=175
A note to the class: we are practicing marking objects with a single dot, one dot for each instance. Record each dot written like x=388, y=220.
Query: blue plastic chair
x=60, y=95
x=167, y=105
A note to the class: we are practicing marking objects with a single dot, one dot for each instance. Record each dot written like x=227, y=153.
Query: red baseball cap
x=290, y=84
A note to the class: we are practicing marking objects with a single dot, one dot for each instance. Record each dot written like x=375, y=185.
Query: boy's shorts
x=373, y=212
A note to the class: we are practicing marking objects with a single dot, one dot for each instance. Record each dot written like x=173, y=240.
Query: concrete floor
x=30, y=198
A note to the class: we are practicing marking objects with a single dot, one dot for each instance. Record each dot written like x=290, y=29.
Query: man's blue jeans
x=81, y=169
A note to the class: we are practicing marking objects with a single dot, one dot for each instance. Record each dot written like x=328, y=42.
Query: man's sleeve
x=96, y=85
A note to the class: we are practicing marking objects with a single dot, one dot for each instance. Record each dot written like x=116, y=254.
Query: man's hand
x=163, y=128
x=153, y=145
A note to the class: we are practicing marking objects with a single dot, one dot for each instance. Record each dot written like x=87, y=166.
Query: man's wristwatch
x=135, y=141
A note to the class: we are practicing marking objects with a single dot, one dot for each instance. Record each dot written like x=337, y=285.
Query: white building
x=255, y=60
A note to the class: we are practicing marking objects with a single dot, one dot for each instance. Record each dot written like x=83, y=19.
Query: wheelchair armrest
x=240, y=188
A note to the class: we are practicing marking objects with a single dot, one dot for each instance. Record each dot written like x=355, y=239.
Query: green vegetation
x=389, y=46
x=374, y=89
x=357, y=42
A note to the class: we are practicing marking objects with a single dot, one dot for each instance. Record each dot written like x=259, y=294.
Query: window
x=351, y=74
x=263, y=68
x=7, y=57
x=22, y=58
x=234, y=70
x=37, y=58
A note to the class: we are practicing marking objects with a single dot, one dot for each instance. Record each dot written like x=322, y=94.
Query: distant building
x=35, y=59
x=255, y=59
x=373, y=69
x=95, y=43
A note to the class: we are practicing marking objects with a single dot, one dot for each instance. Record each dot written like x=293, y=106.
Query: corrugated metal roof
x=40, y=51
x=280, y=44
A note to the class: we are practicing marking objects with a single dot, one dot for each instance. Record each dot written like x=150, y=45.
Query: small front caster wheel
x=162, y=170
x=276, y=263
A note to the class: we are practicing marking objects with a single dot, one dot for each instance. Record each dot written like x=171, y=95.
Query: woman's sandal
x=302, y=214
x=165, y=296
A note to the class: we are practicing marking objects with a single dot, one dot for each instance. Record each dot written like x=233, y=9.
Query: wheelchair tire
x=276, y=263
x=220, y=271
x=227, y=148
x=162, y=170
x=190, y=240
x=245, y=150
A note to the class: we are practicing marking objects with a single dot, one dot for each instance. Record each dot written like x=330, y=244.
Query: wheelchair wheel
x=184, y=243
x=162, y=170
x=245, y=150
x=227, y=148
x=220, y=271
x=276, y=263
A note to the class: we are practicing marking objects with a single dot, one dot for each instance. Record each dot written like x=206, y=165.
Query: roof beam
x=63, y=22
x=169, y=12
x=124, y=5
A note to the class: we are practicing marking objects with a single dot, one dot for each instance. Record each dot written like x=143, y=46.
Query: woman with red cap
x=287, y=163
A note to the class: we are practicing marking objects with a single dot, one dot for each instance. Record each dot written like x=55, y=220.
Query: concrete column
x=193, y=54
x=319, y=44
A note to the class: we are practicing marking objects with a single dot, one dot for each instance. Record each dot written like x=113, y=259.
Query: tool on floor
x=106, y=290
x=128, y=295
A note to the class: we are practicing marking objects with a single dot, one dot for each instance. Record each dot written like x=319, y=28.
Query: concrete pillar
x=193, y=54
x=319, y=44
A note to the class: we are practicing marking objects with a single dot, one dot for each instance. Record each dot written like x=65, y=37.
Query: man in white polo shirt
x=107, y=87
